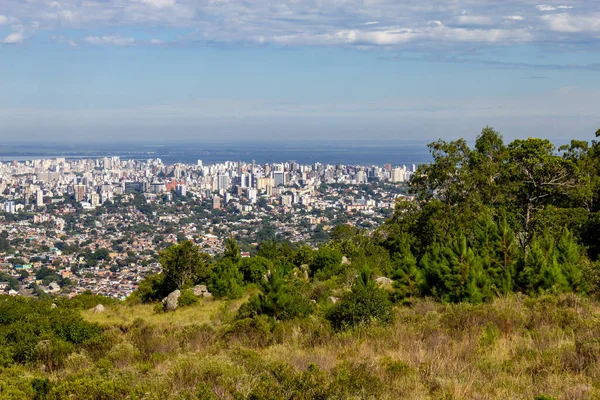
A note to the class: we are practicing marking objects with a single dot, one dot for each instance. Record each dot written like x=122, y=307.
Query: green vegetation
x=485, y=285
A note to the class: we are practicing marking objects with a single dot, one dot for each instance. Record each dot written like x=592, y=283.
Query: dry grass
x=204, y=312
x=514, y=348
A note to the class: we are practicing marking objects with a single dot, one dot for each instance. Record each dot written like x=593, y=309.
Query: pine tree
x=569, y=258
x=408, y=278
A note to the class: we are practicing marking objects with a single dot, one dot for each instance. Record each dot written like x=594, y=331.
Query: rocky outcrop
x=201, y=291
x=99, y=309
x=171, y=300
x=383, y=281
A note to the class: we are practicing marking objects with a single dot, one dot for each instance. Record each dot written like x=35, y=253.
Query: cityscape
x=75, y=225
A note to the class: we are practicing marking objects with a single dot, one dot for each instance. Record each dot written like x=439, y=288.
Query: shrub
x=278, y=300
x=255, y=268
x=226, y=280
x=187, y=298
x=326, y=259
x=251, y=332
x=364, y=304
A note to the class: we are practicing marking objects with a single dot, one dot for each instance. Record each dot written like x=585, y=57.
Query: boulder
x=384, y=283
x=99, y=309
x=333, y=299
x=171, y=300
x=201, y=291
x=53, y=305
x=345, y=260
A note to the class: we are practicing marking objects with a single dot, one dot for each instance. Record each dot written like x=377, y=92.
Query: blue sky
x=294, y=69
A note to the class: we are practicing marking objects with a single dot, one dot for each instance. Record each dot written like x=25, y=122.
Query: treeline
x=496, y=219
x=45, y=332
x=483, y=222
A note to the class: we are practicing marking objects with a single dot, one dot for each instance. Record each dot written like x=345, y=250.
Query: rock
x=333, y=299
x=99, y=309
x=201, y=291
x=171, y=300
x=53, y=305
x=345, y=260
x=300, y=273
x=384, y=282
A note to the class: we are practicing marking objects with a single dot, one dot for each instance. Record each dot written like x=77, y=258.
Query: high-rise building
x=39, y=198
x=181, y=190
x=279, y=178
x=10, y=207
x=95, y=199
x=216, y=203
x=79, y=192
x=223, y=182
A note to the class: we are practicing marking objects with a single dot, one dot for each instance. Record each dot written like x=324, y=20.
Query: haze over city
x=164, y=70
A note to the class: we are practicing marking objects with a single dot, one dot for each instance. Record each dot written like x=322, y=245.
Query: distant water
x=354, y=153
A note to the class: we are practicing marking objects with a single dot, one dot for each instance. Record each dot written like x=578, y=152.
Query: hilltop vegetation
x=484, y=285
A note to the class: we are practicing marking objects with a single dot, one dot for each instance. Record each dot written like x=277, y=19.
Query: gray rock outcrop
x=171, y=300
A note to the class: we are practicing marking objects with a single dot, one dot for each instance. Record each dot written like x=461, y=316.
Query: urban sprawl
x=69, y=226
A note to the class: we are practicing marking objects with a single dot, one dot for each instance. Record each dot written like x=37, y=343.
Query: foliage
x=226, y=279
x=279, y=299
x=32, y=331
x=184, y=264
x=187, y=298
x=326, y=259
x=366, y=303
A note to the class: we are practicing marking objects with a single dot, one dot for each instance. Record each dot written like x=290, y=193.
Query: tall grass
x=515, y=347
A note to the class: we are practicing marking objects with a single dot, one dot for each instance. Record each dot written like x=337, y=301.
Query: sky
x=277, y=70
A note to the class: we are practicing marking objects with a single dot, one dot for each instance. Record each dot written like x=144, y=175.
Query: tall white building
x=39, y=198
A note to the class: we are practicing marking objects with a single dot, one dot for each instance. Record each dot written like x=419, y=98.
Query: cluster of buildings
x=54, y=213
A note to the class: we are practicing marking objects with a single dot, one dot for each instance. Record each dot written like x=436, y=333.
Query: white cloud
x=553, y=8
x=546, y=8
x=573, y=23
x=474, y=20
x=514, y=17
x=64, y=40
x=302, y=22
x=398, y=35
x=3, y=19
x=110, y=40
x=156, y=41
x=159, y=3
x=14, y=38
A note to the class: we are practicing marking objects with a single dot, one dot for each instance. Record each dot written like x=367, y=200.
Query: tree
x=326, y=259
x=446, y=177
x=226, y=279
x=184, y=264
x=232, y=250
x=453, y=273
x=485, y=164
x=254, y=269
x=498, y=251
x=278, y=299
x=533, y=177
x=366, y=303
x=408, y=278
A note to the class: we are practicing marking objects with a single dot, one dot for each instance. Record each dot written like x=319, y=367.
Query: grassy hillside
x=513, y=347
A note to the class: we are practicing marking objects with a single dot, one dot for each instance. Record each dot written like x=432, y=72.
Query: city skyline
x=362, y=70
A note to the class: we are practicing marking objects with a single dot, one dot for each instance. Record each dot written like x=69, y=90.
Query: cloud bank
x=307, y=22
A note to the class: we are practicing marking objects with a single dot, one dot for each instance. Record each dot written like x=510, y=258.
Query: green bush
x=254, y=269
x=366, y=303
x=328, y=260
x=187, y=298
